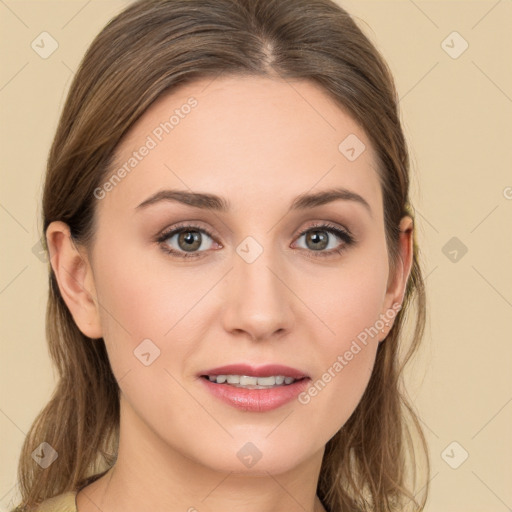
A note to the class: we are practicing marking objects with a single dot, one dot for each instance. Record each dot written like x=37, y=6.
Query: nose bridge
x=257, y=298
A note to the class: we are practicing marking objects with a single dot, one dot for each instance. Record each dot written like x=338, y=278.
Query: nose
x=258, y=299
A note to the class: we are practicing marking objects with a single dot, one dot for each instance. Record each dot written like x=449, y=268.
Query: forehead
x=250, y=139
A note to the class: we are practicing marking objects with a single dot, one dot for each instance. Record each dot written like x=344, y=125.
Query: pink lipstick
x=255, y=389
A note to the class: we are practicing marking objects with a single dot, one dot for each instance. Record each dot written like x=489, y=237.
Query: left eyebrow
x=213, y=202
x=305, y=201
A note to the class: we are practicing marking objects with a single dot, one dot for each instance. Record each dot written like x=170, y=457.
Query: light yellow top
x=65, y=502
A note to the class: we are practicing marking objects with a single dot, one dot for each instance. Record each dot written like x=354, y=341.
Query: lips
x=268, y=370
x=255, y=400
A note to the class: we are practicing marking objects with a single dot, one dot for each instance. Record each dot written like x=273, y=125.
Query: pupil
x=318, y=239
x=191, y=239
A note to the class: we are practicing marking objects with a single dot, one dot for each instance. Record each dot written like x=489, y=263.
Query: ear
x=75, y=279
x=397, y=282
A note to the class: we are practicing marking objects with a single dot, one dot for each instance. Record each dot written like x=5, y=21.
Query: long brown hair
x=148, y=50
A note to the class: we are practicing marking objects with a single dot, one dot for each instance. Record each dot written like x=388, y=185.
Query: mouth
x=245, y=375
x=256, y=389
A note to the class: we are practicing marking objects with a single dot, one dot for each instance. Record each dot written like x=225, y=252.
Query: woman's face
x=254, y=290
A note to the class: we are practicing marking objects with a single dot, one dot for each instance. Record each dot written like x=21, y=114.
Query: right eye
x=189, y=239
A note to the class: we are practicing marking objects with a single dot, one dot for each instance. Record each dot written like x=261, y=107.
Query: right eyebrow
x=195, y=199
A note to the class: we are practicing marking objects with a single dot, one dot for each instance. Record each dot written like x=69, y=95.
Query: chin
x=258, y=457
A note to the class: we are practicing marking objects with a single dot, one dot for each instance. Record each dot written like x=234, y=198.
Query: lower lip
x=256, y=400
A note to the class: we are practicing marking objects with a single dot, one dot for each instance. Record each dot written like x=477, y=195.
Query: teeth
x=251, y=382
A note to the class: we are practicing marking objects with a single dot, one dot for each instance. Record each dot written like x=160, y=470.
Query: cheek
x=349, y=303
x=333, y=395
x=349, y=300
x=141, y=299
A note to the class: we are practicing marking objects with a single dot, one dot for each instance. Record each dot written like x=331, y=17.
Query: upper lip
x=266, y=370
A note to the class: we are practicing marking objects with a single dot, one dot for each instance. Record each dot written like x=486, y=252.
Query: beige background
x=457, y=117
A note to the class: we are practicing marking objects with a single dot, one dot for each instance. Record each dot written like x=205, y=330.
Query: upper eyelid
x=171, y=231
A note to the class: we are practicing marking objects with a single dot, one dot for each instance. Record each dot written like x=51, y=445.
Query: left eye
x=317, y=240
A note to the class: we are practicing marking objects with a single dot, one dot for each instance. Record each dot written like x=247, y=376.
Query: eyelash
x=340, y=233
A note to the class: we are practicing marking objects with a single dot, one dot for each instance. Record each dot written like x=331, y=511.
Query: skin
x=259, y=143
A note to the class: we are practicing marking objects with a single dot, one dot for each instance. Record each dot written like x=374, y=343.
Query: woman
x=232, y=259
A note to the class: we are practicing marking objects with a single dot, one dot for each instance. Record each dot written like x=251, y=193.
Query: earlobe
x=74, y=277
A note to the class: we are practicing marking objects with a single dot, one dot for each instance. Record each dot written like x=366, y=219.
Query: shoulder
x=65, y=502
